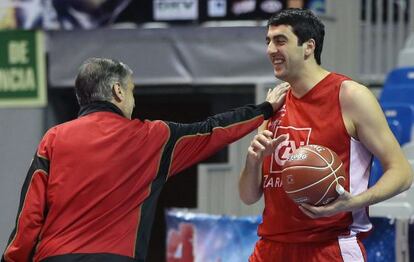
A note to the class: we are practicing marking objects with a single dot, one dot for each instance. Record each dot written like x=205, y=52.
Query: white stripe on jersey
x=359, y=168
x=350, y=250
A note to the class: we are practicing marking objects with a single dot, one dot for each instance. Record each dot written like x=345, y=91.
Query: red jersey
x=315, y=118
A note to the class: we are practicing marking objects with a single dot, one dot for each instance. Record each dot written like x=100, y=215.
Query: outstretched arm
x=190, y=143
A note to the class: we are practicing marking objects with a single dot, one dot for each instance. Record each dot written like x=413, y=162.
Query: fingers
x=276, y=141
x=283, y=84
x=343, y=194
x=314, y=211
x=261, y=145
x=339, y=189
x=263, y=126
x=341, y=204
x=267, y=133
x=258, y=145
x=280, y=139
x=277, y=95
x=265, y=143
x=276, y=92
x=281, y=88
x=251, y=152
x=261, y=141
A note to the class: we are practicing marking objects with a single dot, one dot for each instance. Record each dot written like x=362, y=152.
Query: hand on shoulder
x=276, y=96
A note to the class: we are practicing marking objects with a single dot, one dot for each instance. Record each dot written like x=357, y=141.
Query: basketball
x=311, y=173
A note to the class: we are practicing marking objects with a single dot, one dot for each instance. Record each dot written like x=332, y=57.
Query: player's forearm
x=394, y=181
x=250, y=190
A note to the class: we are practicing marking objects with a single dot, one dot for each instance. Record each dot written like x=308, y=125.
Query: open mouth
x=277, y=61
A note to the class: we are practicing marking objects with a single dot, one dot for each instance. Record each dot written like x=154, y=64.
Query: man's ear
x=117, y=92
x=309, y=47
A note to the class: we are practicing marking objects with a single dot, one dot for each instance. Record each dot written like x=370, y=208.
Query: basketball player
x=91, y=191
x=322, y=108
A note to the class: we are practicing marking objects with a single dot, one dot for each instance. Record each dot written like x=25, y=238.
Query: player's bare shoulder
x=354, y=96
x=352, y=92
x=359, y=106
x=355, y=100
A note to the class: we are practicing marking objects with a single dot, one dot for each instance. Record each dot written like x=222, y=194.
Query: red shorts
x=348, y=249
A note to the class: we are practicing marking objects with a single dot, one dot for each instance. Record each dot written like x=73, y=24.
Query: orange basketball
x=311, y=174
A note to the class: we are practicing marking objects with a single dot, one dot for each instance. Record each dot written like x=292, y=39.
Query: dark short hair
x=305, y=25
x=96, y=78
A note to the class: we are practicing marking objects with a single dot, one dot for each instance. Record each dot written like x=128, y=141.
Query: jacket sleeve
x=32, y=210
x=191, y=143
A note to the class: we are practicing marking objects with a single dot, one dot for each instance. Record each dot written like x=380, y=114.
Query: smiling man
x=328, y=109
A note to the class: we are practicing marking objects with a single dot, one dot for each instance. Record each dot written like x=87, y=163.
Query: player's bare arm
x=263, y=144
x=250, y=182
x=366, y=122
x=372, y=129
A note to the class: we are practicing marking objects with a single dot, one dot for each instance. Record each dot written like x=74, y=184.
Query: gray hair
x=96, y=78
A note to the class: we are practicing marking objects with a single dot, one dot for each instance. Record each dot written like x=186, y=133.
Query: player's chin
x=279, y=73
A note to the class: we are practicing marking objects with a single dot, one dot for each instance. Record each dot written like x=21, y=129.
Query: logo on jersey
x=297, y=137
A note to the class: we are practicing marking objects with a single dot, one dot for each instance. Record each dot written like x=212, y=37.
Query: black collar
x=99, y=106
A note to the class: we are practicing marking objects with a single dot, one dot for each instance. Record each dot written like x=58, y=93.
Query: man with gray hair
x=91, y=191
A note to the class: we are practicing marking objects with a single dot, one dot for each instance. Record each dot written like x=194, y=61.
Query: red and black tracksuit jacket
x=91, y=190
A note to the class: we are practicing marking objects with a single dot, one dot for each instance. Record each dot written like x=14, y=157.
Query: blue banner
x=380, y=244
x=213, y=238
x=209, y=238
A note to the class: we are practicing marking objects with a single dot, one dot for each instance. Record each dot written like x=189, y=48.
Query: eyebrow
x=277, y=37
x=280, y=36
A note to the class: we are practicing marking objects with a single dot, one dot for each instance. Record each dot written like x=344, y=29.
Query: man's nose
x=271, y=49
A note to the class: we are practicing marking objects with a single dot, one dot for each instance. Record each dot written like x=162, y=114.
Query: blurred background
x=191, y=59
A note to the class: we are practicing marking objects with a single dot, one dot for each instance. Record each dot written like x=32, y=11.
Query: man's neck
x=307, y=79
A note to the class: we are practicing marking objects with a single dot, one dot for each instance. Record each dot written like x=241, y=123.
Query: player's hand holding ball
x=313, y=177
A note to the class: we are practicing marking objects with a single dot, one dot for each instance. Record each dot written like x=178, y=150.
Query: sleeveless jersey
x=315, y=118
